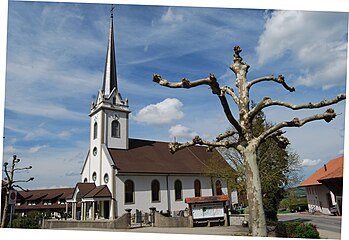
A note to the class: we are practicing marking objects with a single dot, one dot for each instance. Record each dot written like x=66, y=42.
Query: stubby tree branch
x=280, y=79
x=214, y=85
x=175, y=146
x=267, y=102
x=226, y=134
x=328, y=116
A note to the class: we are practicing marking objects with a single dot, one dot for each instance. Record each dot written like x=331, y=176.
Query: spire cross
x=112, y=9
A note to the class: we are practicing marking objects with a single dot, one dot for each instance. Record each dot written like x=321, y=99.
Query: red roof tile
x=332, y=169
x=206, y=199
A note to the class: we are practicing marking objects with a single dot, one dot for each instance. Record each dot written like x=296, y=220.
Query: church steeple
x=110, y=78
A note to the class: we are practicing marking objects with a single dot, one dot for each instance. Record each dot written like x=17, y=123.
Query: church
x=124, y=174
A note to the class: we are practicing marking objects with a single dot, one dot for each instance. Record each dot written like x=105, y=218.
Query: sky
x=55, y=63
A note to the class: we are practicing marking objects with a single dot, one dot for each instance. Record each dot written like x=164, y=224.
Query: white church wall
x=142, y=196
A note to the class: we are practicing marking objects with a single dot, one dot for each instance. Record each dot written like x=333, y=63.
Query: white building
x=325, y=187
x=120, y=173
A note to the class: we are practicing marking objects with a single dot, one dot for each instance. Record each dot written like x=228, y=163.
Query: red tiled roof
x=332, y=169
x=207, y=199
x=145, y=156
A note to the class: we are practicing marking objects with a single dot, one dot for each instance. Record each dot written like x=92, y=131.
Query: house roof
x=145, y=156
x=330, y=170
x=45, y=194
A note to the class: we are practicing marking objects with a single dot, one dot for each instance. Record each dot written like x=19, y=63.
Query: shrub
x=296, y=230
x=286, y=229
x=306, y=230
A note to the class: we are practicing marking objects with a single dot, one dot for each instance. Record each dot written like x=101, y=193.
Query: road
x=328, y=226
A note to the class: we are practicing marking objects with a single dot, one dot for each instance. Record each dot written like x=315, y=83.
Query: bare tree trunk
x=257, y=220
x=4, y=213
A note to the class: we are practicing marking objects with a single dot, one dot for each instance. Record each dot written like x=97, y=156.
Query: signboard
x=234, y=197
x=12, y=197
x=208, y=210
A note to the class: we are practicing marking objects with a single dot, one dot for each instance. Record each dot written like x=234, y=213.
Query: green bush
x=286, y=229
x=32, y=221
x=306, y=230
x=296, y=230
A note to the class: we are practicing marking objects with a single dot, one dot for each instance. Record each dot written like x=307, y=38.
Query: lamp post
x=11, y=184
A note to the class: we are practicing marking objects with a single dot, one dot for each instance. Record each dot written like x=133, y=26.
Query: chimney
x=325, y=167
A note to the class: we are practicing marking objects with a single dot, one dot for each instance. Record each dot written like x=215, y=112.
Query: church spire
x=110, y=79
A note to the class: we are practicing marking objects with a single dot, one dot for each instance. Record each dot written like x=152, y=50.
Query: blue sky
x=55, y=63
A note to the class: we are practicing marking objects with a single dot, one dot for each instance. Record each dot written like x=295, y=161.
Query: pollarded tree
x=247, y=143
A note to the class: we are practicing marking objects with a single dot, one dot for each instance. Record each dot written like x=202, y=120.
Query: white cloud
x=170, y=18
x=36, y=148
x=180, y=131
x=310, y=162
x=315, y=41
x=163, y=112
x=36, y=133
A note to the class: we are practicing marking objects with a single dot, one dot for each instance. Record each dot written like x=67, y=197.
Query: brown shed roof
x=99, y=192
x=332, y=169
x=145, y=156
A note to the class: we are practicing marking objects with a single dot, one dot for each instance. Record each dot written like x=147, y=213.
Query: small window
x=178, y=190
x=94, y=151
x=95, y=131
x=106, y=178
x=129, y=191
x=197, y=188
x=155, y=191
x=94, y=176
x=115, y=129
x=219, y=188
x=85, y=180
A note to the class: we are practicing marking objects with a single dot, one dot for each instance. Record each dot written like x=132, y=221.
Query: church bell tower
x=109, y=113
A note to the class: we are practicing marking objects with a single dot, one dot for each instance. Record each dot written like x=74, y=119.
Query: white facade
x=143, y=195
x=320, y=199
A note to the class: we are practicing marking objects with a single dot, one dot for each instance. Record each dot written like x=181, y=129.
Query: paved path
x=328, y=227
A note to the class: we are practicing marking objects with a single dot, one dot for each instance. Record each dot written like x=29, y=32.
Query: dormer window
x=114, y=100
x=115, y=129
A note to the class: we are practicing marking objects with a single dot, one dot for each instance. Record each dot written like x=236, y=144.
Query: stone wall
x=236, y=219
x=122, y=222
x=162, y=221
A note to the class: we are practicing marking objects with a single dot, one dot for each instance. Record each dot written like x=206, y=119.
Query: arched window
x=155, y=191
x=85, y=180
x=115, y=129
x=197, y=188
x=219, y=188
x=178, y=190
x=129, y=191
x=94, y=176
x=95, y=131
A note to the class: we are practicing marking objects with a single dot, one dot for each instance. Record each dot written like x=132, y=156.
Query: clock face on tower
x=94, y=151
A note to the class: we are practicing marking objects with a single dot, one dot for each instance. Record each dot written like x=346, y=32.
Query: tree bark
x=4, y=212
x=257, y=220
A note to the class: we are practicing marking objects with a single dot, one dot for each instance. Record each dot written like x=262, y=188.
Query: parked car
x=301, y=208
x=334, y=210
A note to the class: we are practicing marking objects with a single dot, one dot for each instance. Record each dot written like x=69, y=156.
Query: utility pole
x=10, y=184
